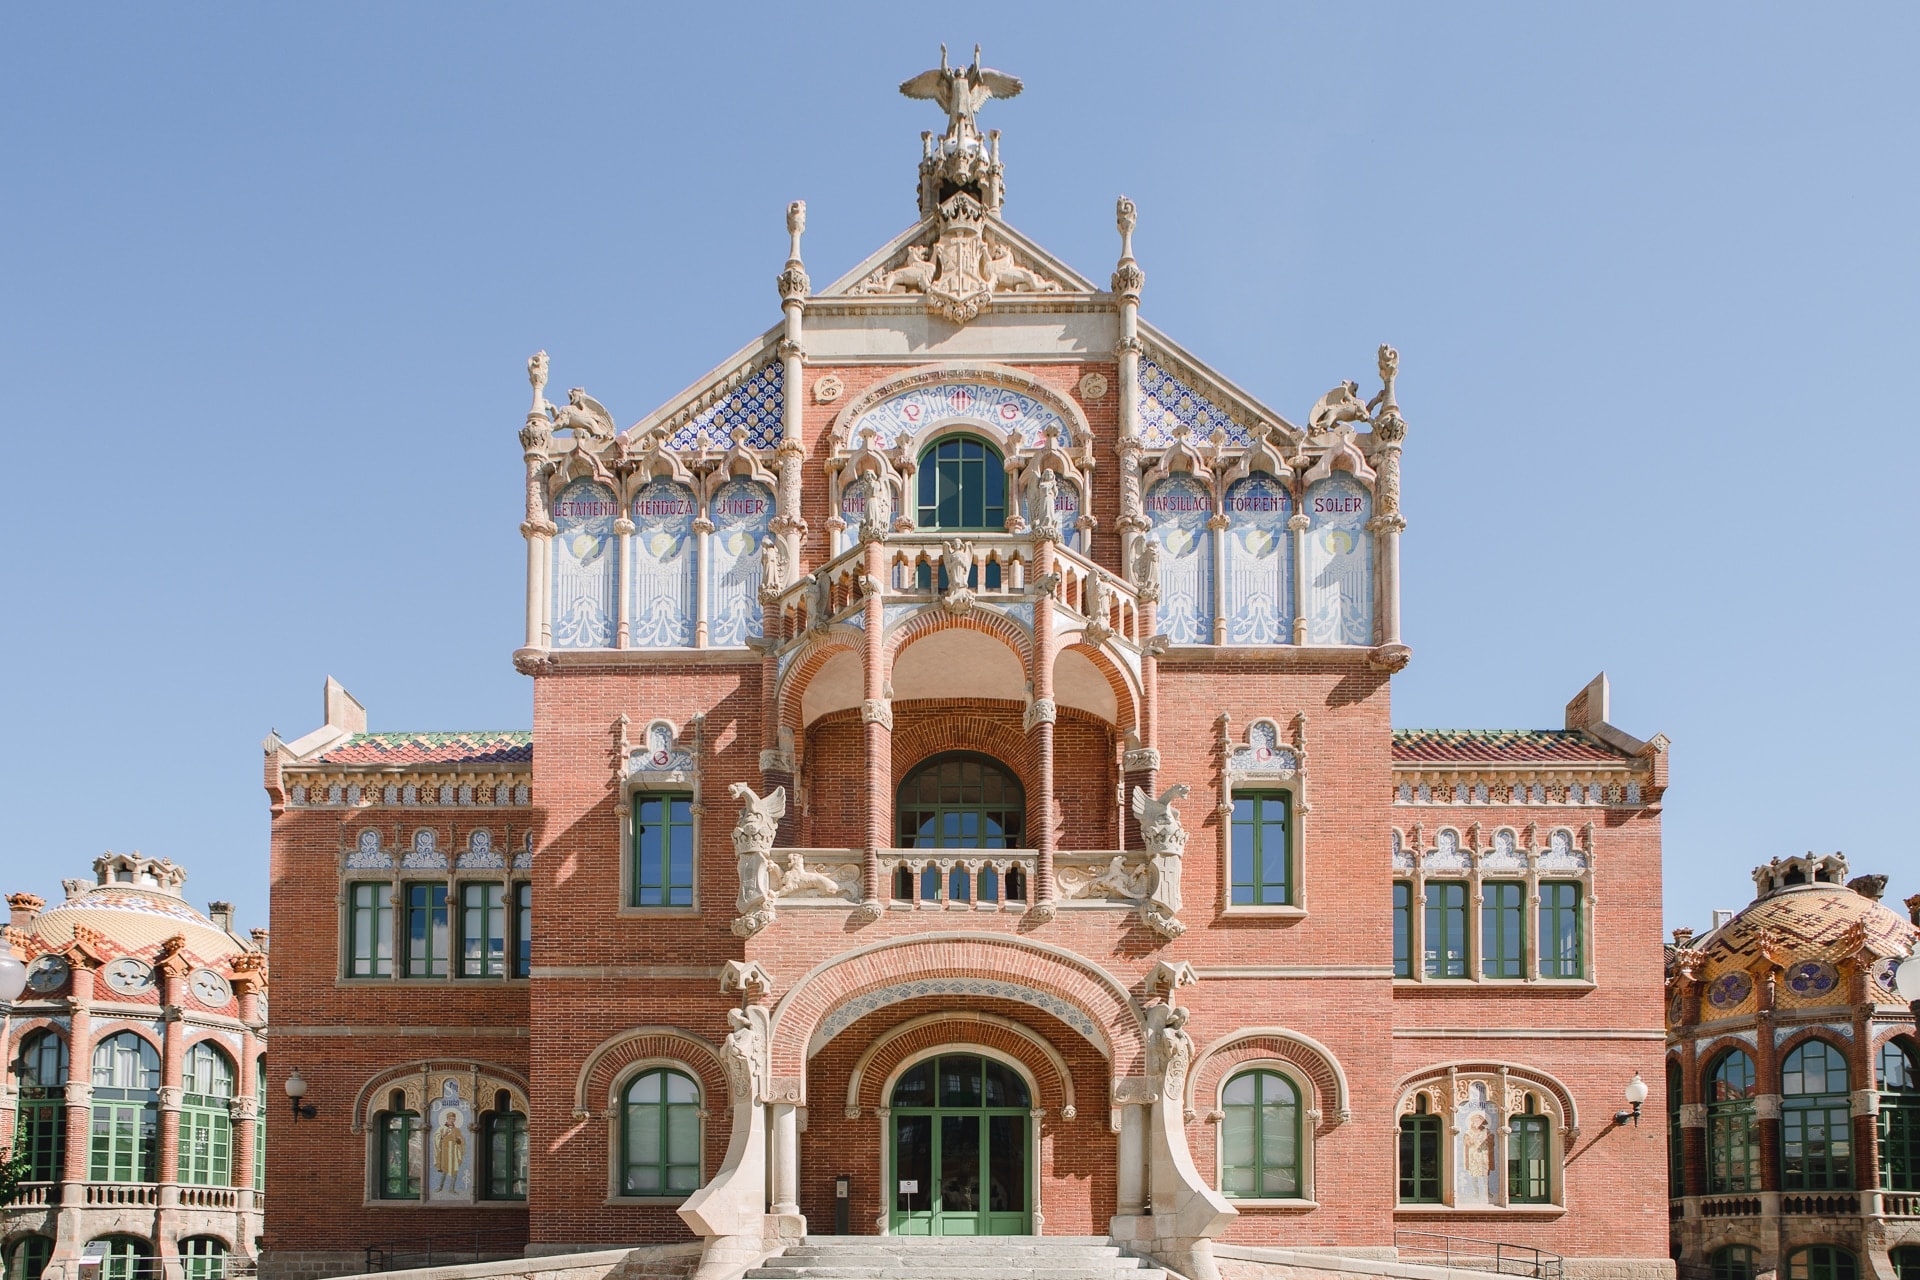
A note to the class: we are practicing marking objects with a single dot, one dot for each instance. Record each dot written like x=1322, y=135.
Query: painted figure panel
x=741, y=512
x=1476, y=1164
x=450, y=1145
x=1259, y=568
x=1339, y=562
x=663, y=600
x=585, y=561
x=1179, y=508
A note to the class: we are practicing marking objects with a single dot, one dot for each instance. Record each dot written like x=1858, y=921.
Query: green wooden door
x=960, y=1150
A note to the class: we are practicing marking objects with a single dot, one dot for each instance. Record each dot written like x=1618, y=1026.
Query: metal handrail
x=421, y=1251
x=1479, y=1255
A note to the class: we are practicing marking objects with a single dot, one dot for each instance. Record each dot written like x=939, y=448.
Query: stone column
x=1040, y=718
x=1131, y=1175
x=1389, y=432
x=788, y=525
x=702, y=557
x=172, y=970
x=876, y=715
x=249, y=1107
x=1766, y=1066
x=786, y=1158
x=1297, y=523
x=537, y=528
x=623, y=588
x=68, y=1236
x=777, y=764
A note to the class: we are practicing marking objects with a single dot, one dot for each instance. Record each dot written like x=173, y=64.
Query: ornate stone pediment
x=964, y=267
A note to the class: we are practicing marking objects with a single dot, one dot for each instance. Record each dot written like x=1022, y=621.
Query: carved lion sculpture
x=915, y=275
x=1006, y=275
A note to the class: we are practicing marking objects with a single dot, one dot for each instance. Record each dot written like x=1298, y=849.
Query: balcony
x=209, y=1198
x=957, y=880
x=34, y=1195
x=122, y=1194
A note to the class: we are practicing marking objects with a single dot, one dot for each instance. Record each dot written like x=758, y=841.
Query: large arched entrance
x=961, y=1141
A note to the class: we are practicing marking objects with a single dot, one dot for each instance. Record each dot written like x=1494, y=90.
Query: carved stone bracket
x=1040, y=711
x=1141, y=760
x=877, y=711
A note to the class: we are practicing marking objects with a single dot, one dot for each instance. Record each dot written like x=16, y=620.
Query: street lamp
x=1635, y=1093
x=296, y=1090
x=1906, y=978
x=13, y=980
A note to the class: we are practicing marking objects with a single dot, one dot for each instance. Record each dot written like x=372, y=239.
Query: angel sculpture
x=961, y=92
x=1043, y=499
x=1096, y=603
x=773, y=567
x=1146, y=566
x=956, y=560
x=1342, y=404
x=584, y=415
x=876, y=510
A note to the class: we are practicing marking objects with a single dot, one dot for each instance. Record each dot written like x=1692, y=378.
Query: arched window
x=28, y=1257
x=126, y=1111
x=1529, y=1157
x=1816, y=1126
x=124, y=1258
x=963, y=485
x=1733, y=1132
x=660, y=1135
x=1732, y=1262
x=1676, y=1136
x=1899, y=1086
x=1822, y=1262
x=397, y=1150
x=960, y=802
x=205, y=1257
x=1420, y=1155
x=206, y=1125
x=43, y=1106
x=1260, y=1137
x=503, y=1151
x=1906, y=1261
x=260, y=1123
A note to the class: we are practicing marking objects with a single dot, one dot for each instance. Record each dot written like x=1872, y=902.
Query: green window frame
x=1906, y=1261
x=663, y=849
x=28, y=1257
x=1529, y=1158
x=1733, y=1130
x=962, y=485
x=1446, y=940
x=42, y=1116
x=126, y=1110
x=483, y=929
x=1262, y=849
x=370, y=930
x=1503, y=929
x=959, y=801
x=660, y=1134
x=1420, y=1156
x=504, y=1152
x=1816, y=1120
x=1899, y=1086
x=1732, y=1262
x=427, y=930
x=204, y=1258
x=1822, y=1262
x=522, y=929
x=1403, y=928
x=206, y=1124
x=1560, y=944
x=127, y=1258
x=1260, y=1137
x=397, y=1168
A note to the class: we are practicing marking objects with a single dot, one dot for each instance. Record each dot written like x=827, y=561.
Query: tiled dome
x=135, y=903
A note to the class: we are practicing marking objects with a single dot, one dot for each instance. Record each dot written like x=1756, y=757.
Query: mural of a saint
x=449, y=1152
x=1478, y=1159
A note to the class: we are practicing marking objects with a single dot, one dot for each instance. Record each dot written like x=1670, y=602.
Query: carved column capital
x=877, y=711
x=1141, y=760
x=1040, y=711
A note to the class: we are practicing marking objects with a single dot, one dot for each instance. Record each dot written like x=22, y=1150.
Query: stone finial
x=1683, y=937
x=221, y=913
x=1128, y=278
x=260, y=938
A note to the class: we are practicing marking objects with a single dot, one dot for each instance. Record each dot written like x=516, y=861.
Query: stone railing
x=1895, y=1204
x=209, y=1198
x=130, y=1194
x=34, y=1195
x=1820, y=1205
x=1730, y=1207
x=958, y=879
x=1003, y=575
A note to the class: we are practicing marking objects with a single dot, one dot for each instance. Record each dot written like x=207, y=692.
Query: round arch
x=1314, y=1060
x=837, y=992
x=986, y=621
x=892, y=1052
x=606, y=1067
x=800, y=669
x=411, y=1077
x=1012, y=400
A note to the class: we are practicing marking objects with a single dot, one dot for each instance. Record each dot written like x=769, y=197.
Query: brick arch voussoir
x=1221, y=1060
x=1078, y=983
x=1053, y=1089
x=793, y=685
x=610, y=1060
x=364, y=1102
x=1001, y=628
x=918, y=743
x=1842, y=1044
x=1125, y=702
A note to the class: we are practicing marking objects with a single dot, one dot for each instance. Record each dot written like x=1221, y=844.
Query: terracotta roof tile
x=510, y=747
x=1498, y=746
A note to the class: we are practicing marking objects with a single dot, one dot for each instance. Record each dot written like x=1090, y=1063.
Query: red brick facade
x=836, y=706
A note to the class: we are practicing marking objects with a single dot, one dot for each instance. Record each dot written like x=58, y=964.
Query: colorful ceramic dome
x=135, y=902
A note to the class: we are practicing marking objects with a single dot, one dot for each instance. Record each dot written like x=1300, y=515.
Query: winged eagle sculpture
x=961, y=92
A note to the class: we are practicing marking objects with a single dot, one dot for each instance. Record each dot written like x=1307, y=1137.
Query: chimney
x=260, y=940
x=1873, y=887
x=1683, y=937
x=26, y=908
x=221, y=913
x=1722, y=916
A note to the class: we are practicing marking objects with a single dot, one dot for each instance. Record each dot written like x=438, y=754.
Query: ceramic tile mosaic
x=757, y=404
x=1166, y=402
x=1003, y=408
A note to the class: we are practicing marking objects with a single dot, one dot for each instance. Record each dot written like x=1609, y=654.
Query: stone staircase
x=955, y=1258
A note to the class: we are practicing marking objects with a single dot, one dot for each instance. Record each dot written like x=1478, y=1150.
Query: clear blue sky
x=271, y=275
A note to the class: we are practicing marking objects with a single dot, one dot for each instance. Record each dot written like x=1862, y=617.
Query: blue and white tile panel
x=757, y=404
x=1165, y=402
